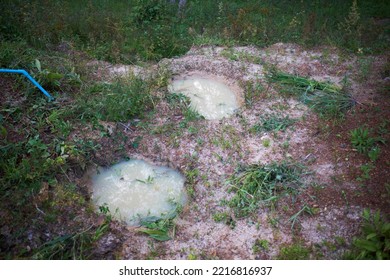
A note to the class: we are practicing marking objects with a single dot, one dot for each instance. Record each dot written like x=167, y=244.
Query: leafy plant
x=258, y=184
x=159, y=228
x=374, y=243
x=46, y=77
x=364, y=143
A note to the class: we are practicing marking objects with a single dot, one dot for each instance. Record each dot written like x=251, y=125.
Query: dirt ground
x=218, y=147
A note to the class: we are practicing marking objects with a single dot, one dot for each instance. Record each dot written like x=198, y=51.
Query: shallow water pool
x=136, y=189
x=210, y=98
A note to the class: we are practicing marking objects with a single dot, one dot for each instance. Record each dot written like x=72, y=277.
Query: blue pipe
x=24, y=72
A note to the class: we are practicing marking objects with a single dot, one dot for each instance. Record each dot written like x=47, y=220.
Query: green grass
x=325, y=98
x=258, y=184
x=272, y=122
x=132, y=30
x=119, y=101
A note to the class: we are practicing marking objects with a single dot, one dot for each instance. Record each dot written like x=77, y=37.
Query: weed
x=260, y=245
x=373, y=154
x=351, y=27
x=374, y=240
x=257, y=184
x=382, y=129
x=272, y=122
x=366, y=169
x=304, y=209
x=224, y=217
x=266, y=143
x=364, y=143
x=294, y=252
x=252, y=92
x=192, y=255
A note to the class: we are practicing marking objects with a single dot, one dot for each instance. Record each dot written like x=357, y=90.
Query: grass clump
x=258, y=184
x=325, y=98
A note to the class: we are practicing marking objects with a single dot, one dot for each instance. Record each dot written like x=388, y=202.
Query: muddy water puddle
x=211, y=98
x=136, y=189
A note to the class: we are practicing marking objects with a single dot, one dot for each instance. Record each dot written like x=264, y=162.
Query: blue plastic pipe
x=24, y=72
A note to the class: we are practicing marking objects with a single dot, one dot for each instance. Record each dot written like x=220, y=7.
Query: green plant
x=260, y=245
x=272, y=122
x=304, y=209
x=351, y=27
x=325, y=98
x=119, y=101
x=374, y=242
x=266, y=143
x=364, y=143
x=373, y=154
x=294, y=252
x=258, y=184
x=224, y=217
x=160, y=228
x=76, y=246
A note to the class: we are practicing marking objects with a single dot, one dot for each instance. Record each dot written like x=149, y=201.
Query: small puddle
x=212, y=99
x=136, y=189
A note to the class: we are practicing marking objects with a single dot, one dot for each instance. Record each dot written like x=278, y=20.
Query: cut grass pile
x=272, y=122
x=325, y=98
x=258, y=184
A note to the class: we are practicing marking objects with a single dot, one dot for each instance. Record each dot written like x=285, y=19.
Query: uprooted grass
x=325, y=98
x=160, y=228
x=258, y=184
x=272, y=122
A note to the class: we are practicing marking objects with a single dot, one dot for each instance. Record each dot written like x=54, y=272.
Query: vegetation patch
x=294, y=252
x=258, y=184
x=324, y=98
x=374, y=242
x=272, y=122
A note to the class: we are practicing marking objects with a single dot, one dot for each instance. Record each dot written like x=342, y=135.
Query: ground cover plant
x=300, y=171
